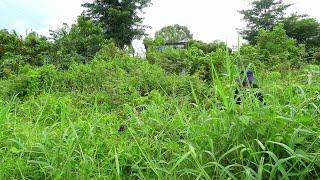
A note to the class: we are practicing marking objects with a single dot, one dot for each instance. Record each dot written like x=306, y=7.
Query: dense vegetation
x=80, y=106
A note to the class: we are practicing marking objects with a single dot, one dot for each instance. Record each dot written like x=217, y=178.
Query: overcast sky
x=208, y=20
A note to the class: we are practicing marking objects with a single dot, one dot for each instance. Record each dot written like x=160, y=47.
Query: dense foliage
x=120, y=19
x=304, y=29
x=174, y=34
x=276, y=44
x=16, y=52
x=264, y=14
x=82, y=40
x=77, y=106
x=121, y=117
x=78, y=43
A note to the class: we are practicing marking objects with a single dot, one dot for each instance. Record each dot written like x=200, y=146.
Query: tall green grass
x=178, y=129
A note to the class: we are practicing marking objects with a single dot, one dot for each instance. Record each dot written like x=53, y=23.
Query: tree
x=10, y=43
x=82, y=41
x=264, y=14
x=120, y=19
x=10, y=46
x=305, y=30
x=275, y=46
x=35, y=49
x=209, y=47
x=16, y=52
x=174, y=34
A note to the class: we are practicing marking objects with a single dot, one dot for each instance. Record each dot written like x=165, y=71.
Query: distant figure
x=122, y=128
x=246, y=81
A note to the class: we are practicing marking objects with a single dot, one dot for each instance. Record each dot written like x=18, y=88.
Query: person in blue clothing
x=246, y=81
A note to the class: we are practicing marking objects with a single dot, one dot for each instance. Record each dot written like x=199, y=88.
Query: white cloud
x=61, y=11
x=2, y=4
x=309, y=7
x=21, y=27
x=207, y=19
x=39, y=15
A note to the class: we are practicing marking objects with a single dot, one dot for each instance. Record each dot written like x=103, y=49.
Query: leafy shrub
x=110, y=52
x=117, y=78
x=36, y=49
x=190, y=61
x=276, y=47
x=317, y=56
x=249, y=55
x=16, y=52
x=208, y=47
x=10, y=43
x=31, y=81
x=80, y=42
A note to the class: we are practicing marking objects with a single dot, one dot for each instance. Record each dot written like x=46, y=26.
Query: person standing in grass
x=246, y=81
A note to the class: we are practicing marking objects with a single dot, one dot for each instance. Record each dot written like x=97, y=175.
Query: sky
x=208, y=20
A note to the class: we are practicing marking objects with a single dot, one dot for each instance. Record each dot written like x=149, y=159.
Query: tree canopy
x=174, y=34
x=83, y=40
x=304, y=29
x=264, y=14
x=121, y=20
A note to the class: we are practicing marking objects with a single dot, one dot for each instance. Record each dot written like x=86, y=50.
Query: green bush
x=316, y=56
x=117, y=78
x=208, y=47
x=191, y=61
x=15, y=52
x=78, y=43
x=10, y=43
x=276, y=47
x=31, y=81
x=249, y=55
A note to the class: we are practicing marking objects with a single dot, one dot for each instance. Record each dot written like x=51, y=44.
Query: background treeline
x=80, y=105
x=276, y=41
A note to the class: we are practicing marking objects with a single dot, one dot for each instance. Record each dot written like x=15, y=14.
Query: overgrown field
x=124, y=118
